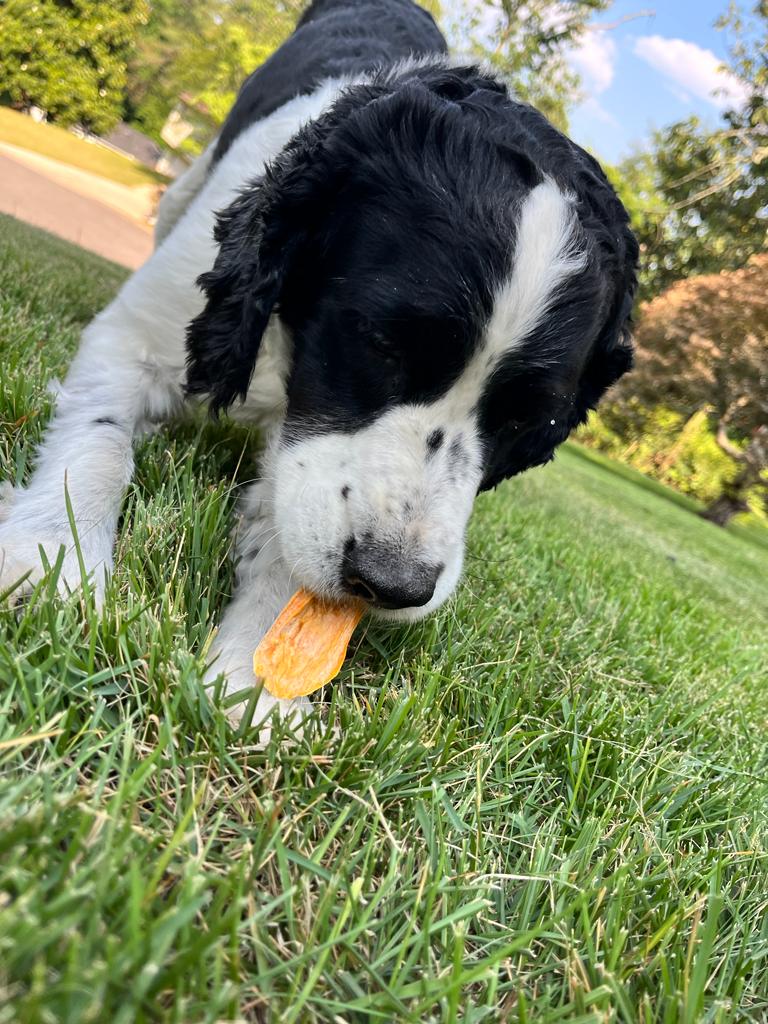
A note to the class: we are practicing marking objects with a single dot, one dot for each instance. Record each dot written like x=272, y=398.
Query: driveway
x=37, y=200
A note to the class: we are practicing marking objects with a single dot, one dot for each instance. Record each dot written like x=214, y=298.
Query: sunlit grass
x=545, y=804
x=59, y=144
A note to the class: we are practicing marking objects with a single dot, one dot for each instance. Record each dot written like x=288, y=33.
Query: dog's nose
x=386, y=580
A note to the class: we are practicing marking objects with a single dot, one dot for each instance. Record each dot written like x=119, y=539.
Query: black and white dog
x=416, y=282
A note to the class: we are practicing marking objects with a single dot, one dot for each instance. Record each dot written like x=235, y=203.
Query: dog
x=414, y=282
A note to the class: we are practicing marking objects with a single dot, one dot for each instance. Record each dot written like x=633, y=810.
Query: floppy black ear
x=613, y=353
x=258, y=236
x=241, y=291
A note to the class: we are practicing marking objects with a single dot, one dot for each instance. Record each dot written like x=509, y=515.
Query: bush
x=69, y=59
x=682, y=453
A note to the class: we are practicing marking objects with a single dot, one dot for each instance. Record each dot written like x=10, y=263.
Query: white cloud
x=697, y=70
x=488, y=21
x=594, y=109
x=594, y=57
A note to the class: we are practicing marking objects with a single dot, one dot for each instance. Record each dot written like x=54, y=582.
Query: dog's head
x=456, y=280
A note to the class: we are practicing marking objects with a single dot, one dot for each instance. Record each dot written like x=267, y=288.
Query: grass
x=548, y=803
x=59, y=144
x=746, y=525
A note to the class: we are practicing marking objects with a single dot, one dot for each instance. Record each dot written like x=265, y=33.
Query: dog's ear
x=241, y=290
x=613, y=353
x=258, y=236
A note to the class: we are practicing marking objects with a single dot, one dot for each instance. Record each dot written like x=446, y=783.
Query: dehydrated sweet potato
x=306, y=645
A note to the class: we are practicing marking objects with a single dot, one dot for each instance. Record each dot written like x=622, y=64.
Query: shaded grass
x=59, y=144
x=546, y=803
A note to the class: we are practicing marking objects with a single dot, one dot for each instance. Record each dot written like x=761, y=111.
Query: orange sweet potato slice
x=306, y=645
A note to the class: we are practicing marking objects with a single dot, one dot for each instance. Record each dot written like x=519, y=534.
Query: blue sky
x=649, y=71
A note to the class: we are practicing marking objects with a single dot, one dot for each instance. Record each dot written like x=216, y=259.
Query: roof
x=134, y=143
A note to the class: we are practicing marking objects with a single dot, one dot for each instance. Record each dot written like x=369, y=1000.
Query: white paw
x=239, y=686
x=25, y=550
x=261, y=716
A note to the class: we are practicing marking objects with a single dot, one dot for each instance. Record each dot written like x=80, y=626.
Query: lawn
x=59, y=144
x=548, y=803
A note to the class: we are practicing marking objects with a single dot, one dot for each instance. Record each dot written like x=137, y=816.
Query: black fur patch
x=434, y=442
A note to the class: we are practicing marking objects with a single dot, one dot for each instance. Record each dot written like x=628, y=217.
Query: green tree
x=528, y=42
x=698, y=200
x=69, y=57
x=152, y=87
x=748, y=61
x=700, y=197
x=205, y=49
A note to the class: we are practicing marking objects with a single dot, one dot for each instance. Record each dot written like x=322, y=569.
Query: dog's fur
x=419, y=286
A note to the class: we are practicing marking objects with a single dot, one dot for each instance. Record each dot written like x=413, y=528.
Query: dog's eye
x=384, y=346
x=377, y=341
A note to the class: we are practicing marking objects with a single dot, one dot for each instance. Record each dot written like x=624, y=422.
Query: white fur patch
x=414, y=506
x=545, y=256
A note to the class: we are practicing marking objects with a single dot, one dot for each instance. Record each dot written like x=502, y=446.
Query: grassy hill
x=59, y=144
x=548, y=803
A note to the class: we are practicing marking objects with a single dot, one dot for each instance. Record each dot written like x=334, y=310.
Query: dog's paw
x=259, y=718
x=24, y=552
x=239, y=684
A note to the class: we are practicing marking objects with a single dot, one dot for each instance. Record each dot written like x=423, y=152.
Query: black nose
x=386, y=580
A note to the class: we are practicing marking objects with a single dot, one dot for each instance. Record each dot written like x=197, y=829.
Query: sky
x=643, y=64
x=648, y=72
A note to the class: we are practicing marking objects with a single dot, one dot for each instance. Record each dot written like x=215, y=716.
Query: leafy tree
x=69, y=57
x=152, y=87
x=703, y=344
x=749, y=63
x=528, y=41
x=700, y=197
x=699, y=201
x=238, y=36
x=204, y=48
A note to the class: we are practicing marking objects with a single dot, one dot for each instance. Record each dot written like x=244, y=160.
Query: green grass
x=59, y=144
x=547, y=803
x=745, y=525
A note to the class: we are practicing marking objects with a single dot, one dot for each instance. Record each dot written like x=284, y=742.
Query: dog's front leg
x=86, y=459
x=263, y=586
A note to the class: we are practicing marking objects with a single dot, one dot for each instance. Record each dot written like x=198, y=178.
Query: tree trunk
x=723, y=509
x=754, y=459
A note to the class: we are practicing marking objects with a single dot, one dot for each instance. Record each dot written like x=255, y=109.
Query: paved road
x=33, y=198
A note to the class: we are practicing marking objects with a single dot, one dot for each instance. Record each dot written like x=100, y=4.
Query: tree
x=700, y=197
x=152, y=87
x=749, y=63
x=69, y=57
x=704, y=343
x=528, y=42
x=203, y=48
